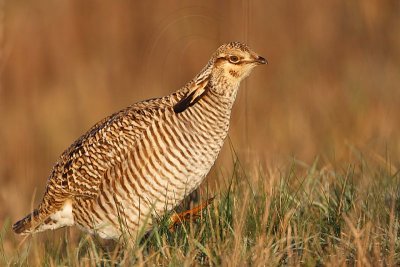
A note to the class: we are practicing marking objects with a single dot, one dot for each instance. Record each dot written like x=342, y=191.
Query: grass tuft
x=316, y=214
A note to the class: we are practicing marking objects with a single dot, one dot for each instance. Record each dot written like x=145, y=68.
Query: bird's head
x=232, y=62
x=229, y=65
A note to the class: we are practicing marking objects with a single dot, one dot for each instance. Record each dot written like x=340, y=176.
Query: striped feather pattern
x=143, y=160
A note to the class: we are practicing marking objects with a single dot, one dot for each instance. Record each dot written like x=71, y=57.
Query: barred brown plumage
x=146, y=158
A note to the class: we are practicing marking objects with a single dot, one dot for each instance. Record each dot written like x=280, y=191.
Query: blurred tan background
x=332, y=84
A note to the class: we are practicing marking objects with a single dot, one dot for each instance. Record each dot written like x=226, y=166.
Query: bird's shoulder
x=130, y=121
x=104, y=144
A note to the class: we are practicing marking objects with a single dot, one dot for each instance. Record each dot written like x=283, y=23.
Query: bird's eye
x=233, y=59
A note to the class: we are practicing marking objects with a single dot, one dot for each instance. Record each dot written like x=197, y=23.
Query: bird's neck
x=223, y=90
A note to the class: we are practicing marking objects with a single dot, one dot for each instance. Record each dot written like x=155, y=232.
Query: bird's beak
x=260, y=60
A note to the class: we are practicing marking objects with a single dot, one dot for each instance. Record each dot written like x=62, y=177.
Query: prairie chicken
x=143, y=160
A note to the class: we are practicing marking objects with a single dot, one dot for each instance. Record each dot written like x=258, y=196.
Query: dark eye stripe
x=240, y=62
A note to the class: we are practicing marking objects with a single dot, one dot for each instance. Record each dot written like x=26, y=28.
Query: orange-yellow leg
x=179, y=218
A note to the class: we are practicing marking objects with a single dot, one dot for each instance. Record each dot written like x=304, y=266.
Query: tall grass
x=317, y=214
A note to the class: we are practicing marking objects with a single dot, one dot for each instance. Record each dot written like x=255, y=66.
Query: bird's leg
x=194, y=213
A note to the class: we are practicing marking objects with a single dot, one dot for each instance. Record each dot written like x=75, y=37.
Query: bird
x=143, y=160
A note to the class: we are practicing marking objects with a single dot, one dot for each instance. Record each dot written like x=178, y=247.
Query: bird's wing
x=80, y=169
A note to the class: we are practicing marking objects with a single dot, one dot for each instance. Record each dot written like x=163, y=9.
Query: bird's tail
x=42, y=219
x=28, y=224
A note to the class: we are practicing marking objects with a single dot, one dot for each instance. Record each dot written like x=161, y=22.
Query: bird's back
x=79, y=171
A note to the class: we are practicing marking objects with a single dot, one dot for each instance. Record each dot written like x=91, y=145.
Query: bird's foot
x=194, y=213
